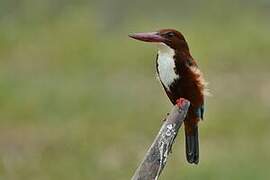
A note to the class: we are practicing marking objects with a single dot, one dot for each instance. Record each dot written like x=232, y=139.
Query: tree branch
x=156, y=156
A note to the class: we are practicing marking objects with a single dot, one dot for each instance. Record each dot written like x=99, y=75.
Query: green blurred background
x=80, y=100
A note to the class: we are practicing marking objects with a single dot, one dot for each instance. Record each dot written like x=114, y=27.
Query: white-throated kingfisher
x=181, y=78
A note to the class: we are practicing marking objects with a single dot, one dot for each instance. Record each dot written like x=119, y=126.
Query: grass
x=79, y=100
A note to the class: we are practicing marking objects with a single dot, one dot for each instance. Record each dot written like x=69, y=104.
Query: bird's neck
x=178, y=55
x=165, y=50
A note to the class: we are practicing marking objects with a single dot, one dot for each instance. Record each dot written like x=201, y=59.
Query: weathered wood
x=156, y=156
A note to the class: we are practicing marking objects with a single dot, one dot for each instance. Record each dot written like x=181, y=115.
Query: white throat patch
x=166, y=65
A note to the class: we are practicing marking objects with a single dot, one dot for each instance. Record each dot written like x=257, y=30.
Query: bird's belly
x=166, y=71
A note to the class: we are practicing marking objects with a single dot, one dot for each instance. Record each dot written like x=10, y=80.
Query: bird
x=181, y=78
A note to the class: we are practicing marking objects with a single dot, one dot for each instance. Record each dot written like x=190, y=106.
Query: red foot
x=181, y=102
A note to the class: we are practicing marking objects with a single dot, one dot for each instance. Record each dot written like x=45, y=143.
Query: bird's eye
x=170, y=34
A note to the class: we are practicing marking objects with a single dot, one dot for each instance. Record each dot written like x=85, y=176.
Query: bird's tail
x=192, y=143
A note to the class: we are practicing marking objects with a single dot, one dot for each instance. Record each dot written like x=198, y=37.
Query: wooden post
x=156, y=156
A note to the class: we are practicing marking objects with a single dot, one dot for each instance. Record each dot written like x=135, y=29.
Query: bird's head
x=168, y=37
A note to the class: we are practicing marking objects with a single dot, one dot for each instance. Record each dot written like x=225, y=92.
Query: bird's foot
x=181, y=102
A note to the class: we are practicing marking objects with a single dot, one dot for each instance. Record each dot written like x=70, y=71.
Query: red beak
x=147, y=37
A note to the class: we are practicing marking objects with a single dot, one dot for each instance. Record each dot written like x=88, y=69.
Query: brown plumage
x=181, y=78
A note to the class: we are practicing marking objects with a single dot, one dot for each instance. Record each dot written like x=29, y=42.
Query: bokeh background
x=80, y=100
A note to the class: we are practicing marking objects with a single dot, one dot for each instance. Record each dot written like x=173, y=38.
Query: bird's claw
x=181, y=102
